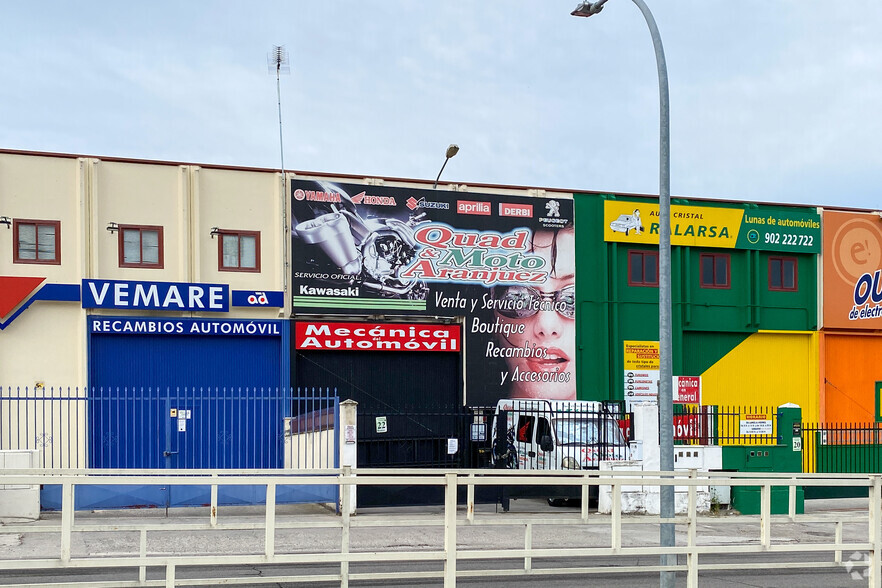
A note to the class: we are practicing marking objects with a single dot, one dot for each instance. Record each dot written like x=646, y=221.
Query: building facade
x=135, y=283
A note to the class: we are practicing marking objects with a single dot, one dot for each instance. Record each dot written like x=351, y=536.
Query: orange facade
x=852, y=268
x=851, y=346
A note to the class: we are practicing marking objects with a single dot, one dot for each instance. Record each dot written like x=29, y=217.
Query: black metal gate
x=451, y=439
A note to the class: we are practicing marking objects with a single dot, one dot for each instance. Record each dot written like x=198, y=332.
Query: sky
x=770, y=100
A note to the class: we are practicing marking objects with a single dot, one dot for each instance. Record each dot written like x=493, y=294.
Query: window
x=140, y=246
x=714, y=270
x=782, y=274
x=525, y=429
x=36, y=241
x=238, y=251
x=643, y=268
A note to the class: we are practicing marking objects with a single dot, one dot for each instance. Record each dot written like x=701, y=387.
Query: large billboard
x=505, y=264
x=852, y=268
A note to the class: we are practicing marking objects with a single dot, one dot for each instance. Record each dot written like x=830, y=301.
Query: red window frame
x=142, y=264
x=715, y=258
x=220, y=251
x=783, y=261
x=642, y=256
x=16, y=224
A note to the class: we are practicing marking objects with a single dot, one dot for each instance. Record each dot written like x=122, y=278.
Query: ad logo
x=258, y=298
x=267, y=298
x=472, y=207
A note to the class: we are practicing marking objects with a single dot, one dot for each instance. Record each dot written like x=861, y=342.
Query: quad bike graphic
x=371, y=251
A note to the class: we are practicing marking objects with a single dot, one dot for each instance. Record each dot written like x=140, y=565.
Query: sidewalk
x=381, y=529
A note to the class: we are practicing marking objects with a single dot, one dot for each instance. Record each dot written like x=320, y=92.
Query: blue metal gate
x=190, y=428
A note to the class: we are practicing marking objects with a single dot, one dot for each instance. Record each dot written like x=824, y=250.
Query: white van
x=557, y=435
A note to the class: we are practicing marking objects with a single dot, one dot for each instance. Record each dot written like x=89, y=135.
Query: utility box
x=19, y=501
x=784, y=456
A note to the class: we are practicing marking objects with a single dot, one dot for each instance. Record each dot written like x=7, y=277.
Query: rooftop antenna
x=277, y=62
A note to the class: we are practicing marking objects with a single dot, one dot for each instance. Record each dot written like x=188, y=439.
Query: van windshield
x=588, y=431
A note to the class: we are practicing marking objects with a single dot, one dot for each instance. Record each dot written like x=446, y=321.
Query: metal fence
x=261, y=544
x=842, y=447
x=725, y=425
x=165, y=427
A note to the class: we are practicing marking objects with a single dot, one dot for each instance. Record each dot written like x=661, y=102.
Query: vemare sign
x=377, y=336
x=156, y=295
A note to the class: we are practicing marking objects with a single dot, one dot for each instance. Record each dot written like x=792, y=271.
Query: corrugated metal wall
x=767, y=368
x=212, y=376
x=852, y=368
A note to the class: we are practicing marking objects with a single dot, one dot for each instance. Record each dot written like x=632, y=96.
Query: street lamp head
x=452, y=150
x=588, y=8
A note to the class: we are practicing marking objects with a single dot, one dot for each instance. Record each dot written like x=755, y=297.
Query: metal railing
x=697, y=553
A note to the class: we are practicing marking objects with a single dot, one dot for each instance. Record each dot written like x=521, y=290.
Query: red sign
x=687, y=427
x=471, y=207
x=687, y=389
x=517, y=210
x=376, y=336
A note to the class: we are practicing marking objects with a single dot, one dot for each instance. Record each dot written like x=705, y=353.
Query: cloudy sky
x=771, y=100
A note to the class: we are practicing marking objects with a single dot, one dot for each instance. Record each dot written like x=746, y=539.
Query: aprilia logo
x=470, y=207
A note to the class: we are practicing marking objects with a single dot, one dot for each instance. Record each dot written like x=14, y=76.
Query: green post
x=784, y=456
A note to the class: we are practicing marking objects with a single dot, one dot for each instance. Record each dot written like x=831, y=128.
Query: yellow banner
x=702, y=226
x=641, y=355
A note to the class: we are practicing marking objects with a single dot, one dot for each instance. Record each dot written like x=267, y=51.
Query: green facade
x=707, y=323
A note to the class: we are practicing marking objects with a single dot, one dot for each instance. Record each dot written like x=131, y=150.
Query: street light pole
x=452, y=150
x=665, y=391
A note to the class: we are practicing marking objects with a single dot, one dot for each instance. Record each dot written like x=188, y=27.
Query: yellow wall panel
x=769, y=368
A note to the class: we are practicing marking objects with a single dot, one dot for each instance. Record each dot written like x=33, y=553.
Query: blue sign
x=156, y=295
x=171, y=326
x=258, y=298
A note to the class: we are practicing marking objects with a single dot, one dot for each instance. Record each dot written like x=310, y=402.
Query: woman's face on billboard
x=549, y=371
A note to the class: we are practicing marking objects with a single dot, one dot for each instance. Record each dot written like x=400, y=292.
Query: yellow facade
x=769, y=368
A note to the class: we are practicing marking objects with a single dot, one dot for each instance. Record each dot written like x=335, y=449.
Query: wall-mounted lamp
x=214, y=231
x=451, y=151
x=112, y=227
x=5, y=220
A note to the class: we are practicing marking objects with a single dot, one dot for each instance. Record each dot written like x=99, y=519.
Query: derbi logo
x=518, y=210
x=470, y=207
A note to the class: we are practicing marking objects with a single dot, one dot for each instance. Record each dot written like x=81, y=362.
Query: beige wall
x=47, y=342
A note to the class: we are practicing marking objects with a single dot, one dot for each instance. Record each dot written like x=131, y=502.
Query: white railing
x=755, y=536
